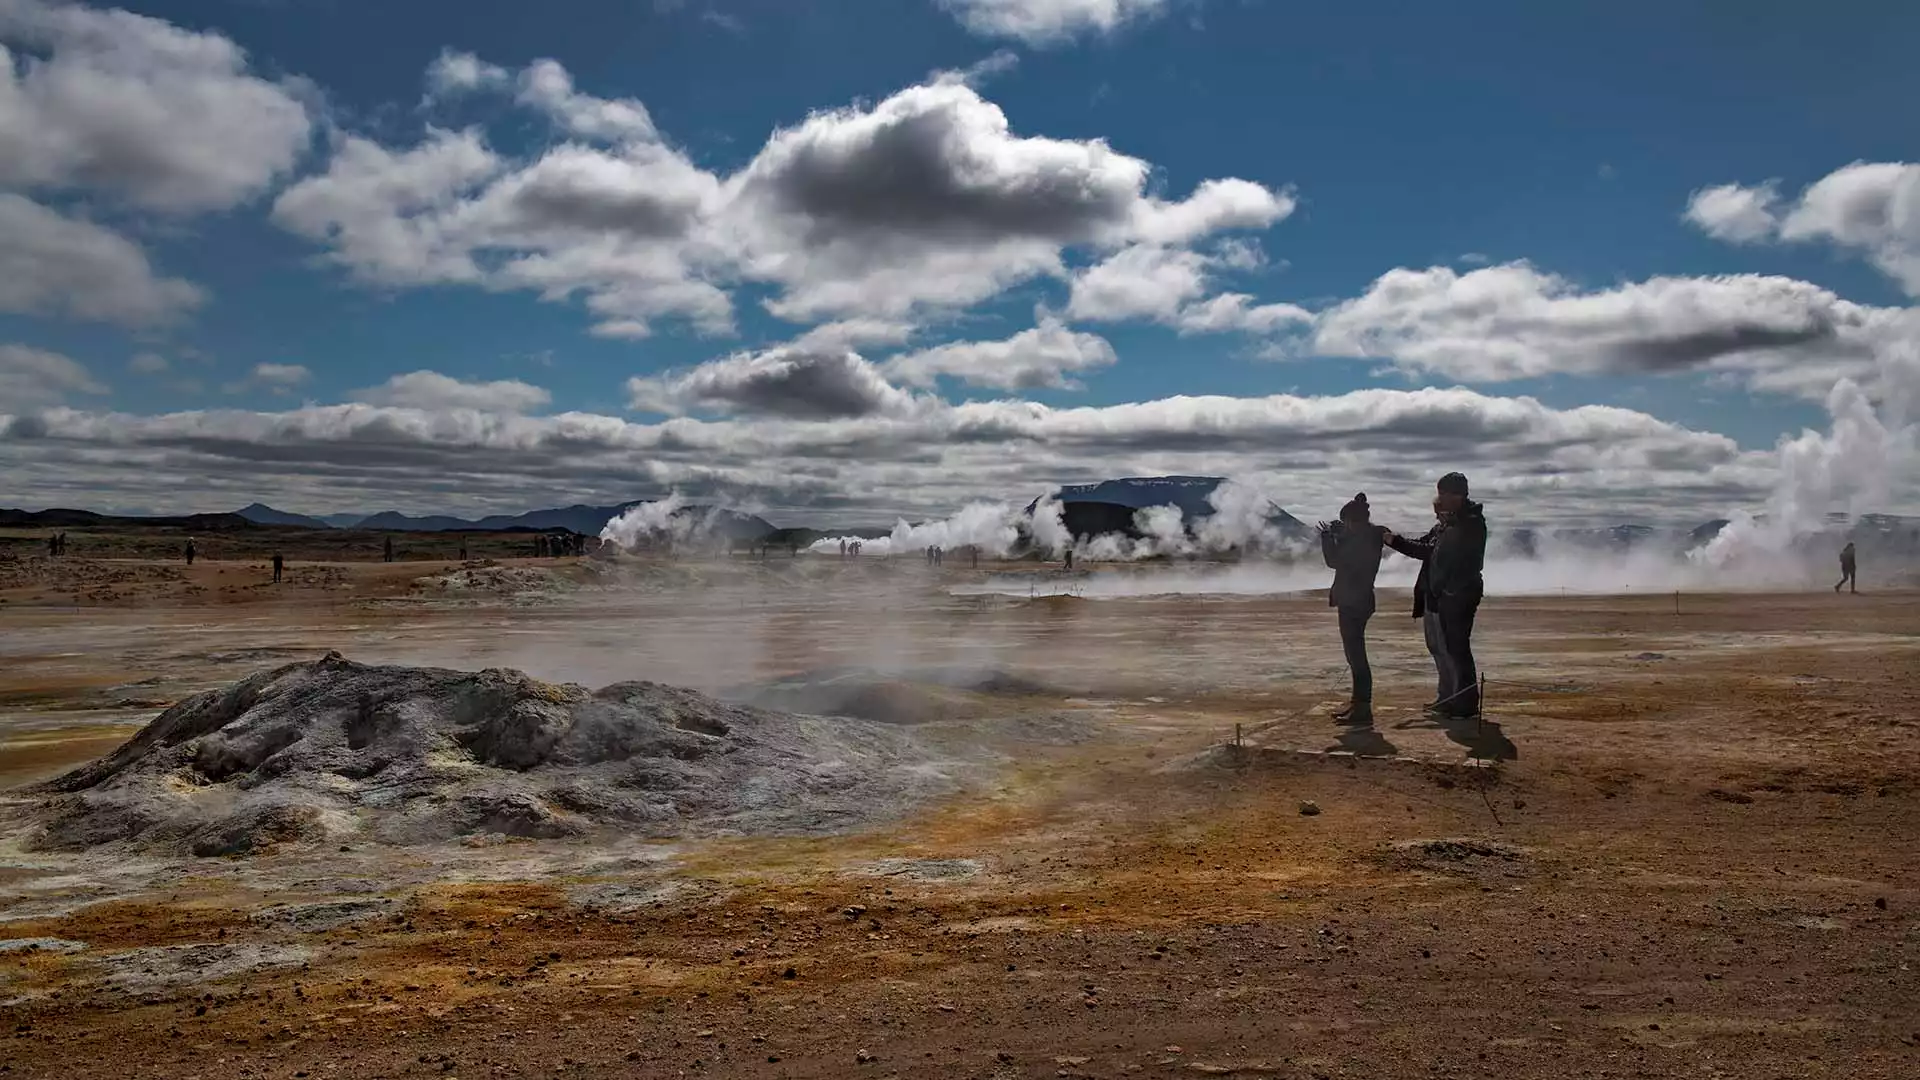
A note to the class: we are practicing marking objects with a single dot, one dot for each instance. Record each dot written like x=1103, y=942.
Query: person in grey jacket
x=1352, y=547
x=1447, y=595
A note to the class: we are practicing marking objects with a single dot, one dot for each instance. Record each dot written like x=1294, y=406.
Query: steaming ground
x=1566, y=574
x=1030, y=856
x=330, y=751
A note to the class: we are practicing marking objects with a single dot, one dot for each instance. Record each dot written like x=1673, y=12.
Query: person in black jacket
x=1352, y=548
x=1447, y=596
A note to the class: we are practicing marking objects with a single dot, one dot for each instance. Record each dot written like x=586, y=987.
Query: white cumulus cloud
x=58, y=266
x=784, y=381
x=1514, y=321
x=454, y=72
x=1872, y=208
x=279, y=379
x=1048, y=22
x=1168, y=284
x=914, y=207
x=32, y=377
x=432, y=390
x=166, y=118
x=1045, y=356
x=1730, y=212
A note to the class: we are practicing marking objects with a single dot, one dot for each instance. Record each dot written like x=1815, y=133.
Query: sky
x=841, y=261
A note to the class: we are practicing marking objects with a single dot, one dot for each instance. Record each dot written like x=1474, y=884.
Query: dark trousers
x=1449, y=631
x=1847, y=578
x=1353, y=642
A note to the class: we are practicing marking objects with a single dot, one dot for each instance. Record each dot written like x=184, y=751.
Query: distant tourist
x=278, y=564
x=53, y=545
x=1848, y=569
x=1351, y=547
x=191, y=551
x=463, y=549
x=386, y=551
x=1447, y=595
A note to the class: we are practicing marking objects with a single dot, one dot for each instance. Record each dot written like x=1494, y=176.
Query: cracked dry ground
x=1709, y=871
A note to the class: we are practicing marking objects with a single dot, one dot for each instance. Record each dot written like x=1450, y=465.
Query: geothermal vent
x=331, y=748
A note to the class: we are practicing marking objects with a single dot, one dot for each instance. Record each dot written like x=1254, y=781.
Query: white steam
x=1849, y=468
x=670, y=522
x=1049, y=526
x=991, y=527
x=1242, y=520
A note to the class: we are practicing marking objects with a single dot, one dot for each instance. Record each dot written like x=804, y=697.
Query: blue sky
x=1570, y=138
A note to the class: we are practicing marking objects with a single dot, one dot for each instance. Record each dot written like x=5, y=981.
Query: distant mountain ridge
x=395, y=521
x=81, y=519
x=262, y=514
x=579, y=518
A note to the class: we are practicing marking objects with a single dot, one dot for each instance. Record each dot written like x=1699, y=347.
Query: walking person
x=191, y=552
x=1848, y=570
x=278, y=564
x=1351, y=547
x=386, y=551
x=1447, y=595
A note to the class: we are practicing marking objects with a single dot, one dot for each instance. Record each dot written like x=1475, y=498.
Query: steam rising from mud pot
x=1241, y=520
x=671, y=521
x=992, y=527
x=1851, y=467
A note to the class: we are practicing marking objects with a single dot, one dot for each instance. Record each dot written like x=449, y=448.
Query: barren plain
x=1682, y=843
